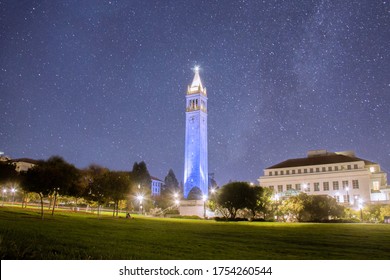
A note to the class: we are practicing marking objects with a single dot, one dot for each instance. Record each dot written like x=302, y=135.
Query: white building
x=342, y=175
x=155, y=186
x=21, y=164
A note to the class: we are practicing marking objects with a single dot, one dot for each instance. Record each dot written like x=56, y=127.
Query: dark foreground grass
x=83, y=236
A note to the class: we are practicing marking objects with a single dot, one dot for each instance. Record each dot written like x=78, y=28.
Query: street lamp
x=177, y=201
x=347, y=189
x=13, y=190
x=140, y=199
x=204, y=198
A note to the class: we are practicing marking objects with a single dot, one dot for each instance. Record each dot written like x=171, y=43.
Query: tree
x=171, y=185
x=117, y=187
x=141, y=177
x=7, y=173
x=317, y=208
x=259, y=201
x=33, y=181
x=52, y=177
x=293, y=207
x=141, y=181
x=234, y=196
x=94, y=185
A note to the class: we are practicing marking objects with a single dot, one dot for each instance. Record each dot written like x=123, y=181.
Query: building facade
x=195, y=157
x=155, y=186
x=342, y=175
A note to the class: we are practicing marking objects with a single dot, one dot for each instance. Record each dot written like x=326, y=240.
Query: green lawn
x=83, y=236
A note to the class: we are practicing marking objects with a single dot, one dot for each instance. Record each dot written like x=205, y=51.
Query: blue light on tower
x=195, y=159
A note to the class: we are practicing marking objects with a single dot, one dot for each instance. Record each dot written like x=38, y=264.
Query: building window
x=293, y=172
x=317, y=169
x=305, y=170
x=336, y=168
x=345, y=184
x=270, y=173
x=298, y=187
x=299, y=171
x=326, y=186
x=346, y=198
x=276, y=173
x=355, y=166
x=311, y=170
x=282, y=172
x=375, y=185
x=280, y=188
x=306, y=187
x=288, y=187
x=372, y=169
x=271, y=188
x=355, y=184
x=335, y=185
x=330, y=168
x=337, y=198
x=288, y=172
x=349, y=167
x=316, y=187
x=323, y=169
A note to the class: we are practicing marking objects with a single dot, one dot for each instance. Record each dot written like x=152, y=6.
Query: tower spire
x=196, y=85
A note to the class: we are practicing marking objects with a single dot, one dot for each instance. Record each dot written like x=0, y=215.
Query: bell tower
x=195, y=158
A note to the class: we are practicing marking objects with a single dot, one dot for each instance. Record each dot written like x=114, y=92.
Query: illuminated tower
x=195, y=159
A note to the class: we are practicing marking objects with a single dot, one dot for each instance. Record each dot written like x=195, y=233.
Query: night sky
x=105, y=81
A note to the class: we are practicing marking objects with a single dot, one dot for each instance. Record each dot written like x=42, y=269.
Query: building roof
x=155, y=179
x=28, y=160
x=327, y=158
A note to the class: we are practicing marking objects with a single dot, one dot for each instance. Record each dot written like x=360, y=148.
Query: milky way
x=105, y=81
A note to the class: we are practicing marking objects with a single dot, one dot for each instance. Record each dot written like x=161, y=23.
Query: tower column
x=195, y=158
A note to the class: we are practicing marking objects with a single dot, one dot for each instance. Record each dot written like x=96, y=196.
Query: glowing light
x=177, y=202
x=196, y=68
x=372, y=169
x=175, y=195
x=212, y=190
x=204, y=197
x=140, y=198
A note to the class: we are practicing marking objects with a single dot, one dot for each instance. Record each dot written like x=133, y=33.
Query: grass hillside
x=23, y=235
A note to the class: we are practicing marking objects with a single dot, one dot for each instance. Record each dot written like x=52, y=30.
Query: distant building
x=342, y=175
x=21, y=164
x=155, y=186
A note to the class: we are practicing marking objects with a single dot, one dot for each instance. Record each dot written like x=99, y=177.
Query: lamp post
x=204, y=198
x=347, y=189
x=13, y=190
x=140, y=199
x=4, y=192
x=176, y=199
